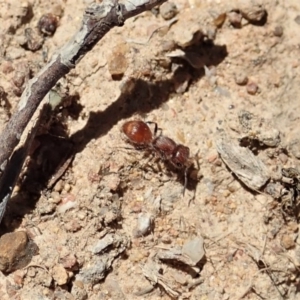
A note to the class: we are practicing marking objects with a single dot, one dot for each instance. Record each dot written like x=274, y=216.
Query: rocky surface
x=111, y=222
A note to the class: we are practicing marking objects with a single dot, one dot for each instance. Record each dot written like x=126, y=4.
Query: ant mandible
x=139, y=134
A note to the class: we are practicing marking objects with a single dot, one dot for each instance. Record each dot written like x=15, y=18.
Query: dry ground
x=252, y=250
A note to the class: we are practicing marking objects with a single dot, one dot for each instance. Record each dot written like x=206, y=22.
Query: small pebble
x=294, y=147
x=168, y=10
x=78, y=291
x=47, y=24
x=69, y=261
x=47, y=208
x=18, y=277
x=283, y=158
x=297, y=19
x=81, y=215
x=21, y=75
x=117, y=61
x=166, y=239
x=18, y=79
x=67, y=187
x=253, y=13
x=233, y=187
x=59, y=274
x=241, y=78
x=187, y=33
x=55, y=197
x=252, y=88
x=6, y=67
x=194, y=249
x=235, y=19
x=111, y=216
x=278, y=31
x=73, y=226
x=155, y=11
x=143, y=226
x=16, y=251
x=293, y=226
x=104, y=243
x=33, y=41
x=287, y=241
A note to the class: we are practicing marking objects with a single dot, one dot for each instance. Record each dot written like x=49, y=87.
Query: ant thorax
x=164, y=146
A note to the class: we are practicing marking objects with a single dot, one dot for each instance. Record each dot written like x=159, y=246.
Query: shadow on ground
x=143, y=97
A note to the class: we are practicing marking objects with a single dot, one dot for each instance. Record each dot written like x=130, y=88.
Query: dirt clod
x=287, y=241
x=252, y=88
x=59, y=274
x=278, y=31
x=241, y=78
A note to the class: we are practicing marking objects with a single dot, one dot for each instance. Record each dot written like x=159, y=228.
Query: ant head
x=180, y=157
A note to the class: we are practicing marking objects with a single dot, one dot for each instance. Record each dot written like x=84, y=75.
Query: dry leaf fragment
x=242, y=162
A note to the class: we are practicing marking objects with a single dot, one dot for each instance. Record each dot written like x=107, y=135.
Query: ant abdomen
x=138, y=133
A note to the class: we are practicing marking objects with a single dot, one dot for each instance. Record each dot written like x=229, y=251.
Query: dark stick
x=15, y=163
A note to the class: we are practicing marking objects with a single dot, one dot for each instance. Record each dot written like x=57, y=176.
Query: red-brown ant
x=139, y=134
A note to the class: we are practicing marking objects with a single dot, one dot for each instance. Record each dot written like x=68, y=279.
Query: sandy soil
x=108, y=216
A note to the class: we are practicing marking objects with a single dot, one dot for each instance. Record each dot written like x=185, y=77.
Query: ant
x=139, y=134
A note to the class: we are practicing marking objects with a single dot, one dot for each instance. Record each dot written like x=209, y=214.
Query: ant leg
x=133, y=148
x=159, y=165
x=160, y=133
x=156, y=128
x=196, y=158
x=185, y=180
x=152, y=157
